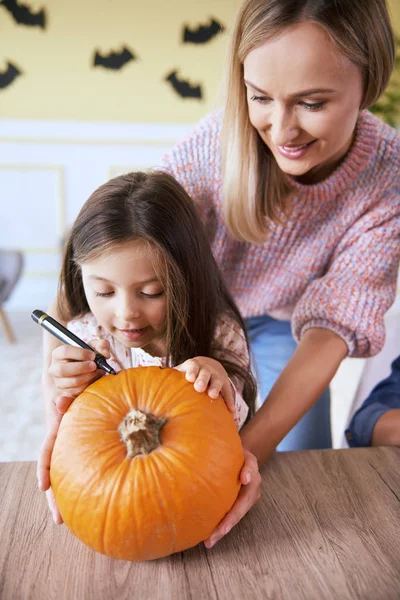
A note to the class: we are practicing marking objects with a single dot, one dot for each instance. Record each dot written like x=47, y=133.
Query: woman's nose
x=284, y=127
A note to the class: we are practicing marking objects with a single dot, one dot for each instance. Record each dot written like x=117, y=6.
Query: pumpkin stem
x=140, y=432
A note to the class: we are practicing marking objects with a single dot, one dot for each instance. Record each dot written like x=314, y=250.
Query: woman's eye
x=260, y=99
x=103, y=294
x=312, y=105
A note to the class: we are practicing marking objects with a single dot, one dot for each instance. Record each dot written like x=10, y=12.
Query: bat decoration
x=23, y=14
x=203, y=33
x=9, y=75
x=182, y=87
x=113, y=60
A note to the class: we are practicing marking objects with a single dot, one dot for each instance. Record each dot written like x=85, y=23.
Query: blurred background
x=89, y=90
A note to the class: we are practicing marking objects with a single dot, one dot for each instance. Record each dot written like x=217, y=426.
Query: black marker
x=66, y=336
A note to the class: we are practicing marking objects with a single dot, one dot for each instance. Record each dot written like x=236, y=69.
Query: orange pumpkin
x=144, y=466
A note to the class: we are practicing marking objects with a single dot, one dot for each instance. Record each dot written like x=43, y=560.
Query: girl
x=139, y=282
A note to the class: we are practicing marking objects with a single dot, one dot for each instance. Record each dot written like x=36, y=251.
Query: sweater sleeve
x=231, y=344
x=359, y=285
x=384, y=397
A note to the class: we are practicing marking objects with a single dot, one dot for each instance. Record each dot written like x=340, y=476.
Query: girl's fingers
x=191, y=369
x=63, y=404
x=202, y=380
x=65, y=352
x=215, y=386
x=102, y=347
x=228, y=393
x=72, y=386
x=60, y=369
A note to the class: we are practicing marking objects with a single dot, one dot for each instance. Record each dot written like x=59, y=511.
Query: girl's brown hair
x=155, y=208
x=256, y=191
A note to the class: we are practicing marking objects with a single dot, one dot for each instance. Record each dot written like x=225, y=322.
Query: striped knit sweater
x=334, y=262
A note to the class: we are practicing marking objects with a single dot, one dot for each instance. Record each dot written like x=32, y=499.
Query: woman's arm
x=298, y=387
x=301, y=383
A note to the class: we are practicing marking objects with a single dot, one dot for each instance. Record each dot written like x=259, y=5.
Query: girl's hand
x=205, y=373
x=73, y=369
x=249, y=494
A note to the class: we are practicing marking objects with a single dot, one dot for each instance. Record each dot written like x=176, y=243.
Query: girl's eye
x=260, y=99
x=312, y=105
x=152, y=295
x=103, y=295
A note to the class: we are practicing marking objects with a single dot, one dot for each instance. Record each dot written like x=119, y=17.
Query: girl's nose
x=128, y=310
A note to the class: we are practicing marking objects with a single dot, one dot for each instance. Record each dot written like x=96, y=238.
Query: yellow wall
x=58, y=81
x=394, y=9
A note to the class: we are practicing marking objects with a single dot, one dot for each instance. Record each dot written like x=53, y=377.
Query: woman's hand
x=249, y=494
x=57, y=401
x=205, y=373
x=43, y=465
x=73, y=369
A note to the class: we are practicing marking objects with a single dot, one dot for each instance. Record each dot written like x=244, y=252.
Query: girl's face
x=126, y=297
x=303, y=98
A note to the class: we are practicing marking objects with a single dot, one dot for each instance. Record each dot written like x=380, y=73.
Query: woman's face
x=126, y=296
x=303, y=98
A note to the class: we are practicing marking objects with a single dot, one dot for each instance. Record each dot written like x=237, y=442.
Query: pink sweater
x=335, y=261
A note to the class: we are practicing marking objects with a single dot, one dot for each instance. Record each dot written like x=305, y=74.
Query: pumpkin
x=143, y=465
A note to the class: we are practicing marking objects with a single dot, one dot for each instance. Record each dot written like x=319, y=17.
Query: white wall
x=47, y=171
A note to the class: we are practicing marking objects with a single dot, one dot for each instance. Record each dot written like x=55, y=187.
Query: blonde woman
x=298, y=185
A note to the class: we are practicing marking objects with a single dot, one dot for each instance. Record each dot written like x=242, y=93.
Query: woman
x=298, y=187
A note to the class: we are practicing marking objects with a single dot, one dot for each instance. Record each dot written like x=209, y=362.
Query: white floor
x=22, y=425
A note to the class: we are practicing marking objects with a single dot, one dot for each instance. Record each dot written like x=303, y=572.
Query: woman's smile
x=294, y=152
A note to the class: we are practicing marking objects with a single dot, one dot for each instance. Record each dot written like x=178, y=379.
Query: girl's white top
x=229, y=337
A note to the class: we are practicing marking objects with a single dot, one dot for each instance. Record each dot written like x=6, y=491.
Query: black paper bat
x=23, y=14
x=9, y=75
x=113, y=60
x=182, y=87
x=203, y=33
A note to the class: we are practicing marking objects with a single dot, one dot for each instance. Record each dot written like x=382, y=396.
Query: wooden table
x=327, y=527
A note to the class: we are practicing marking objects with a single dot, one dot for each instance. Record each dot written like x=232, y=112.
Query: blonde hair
x=256, y=191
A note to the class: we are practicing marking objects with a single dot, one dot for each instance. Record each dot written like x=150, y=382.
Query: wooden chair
x=11, y=263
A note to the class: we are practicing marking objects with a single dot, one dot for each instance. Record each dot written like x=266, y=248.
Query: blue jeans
x=272, y=345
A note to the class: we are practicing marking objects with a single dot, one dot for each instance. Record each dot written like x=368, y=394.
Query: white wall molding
x=70, y=132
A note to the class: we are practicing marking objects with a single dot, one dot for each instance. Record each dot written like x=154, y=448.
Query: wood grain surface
x=326, y=527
